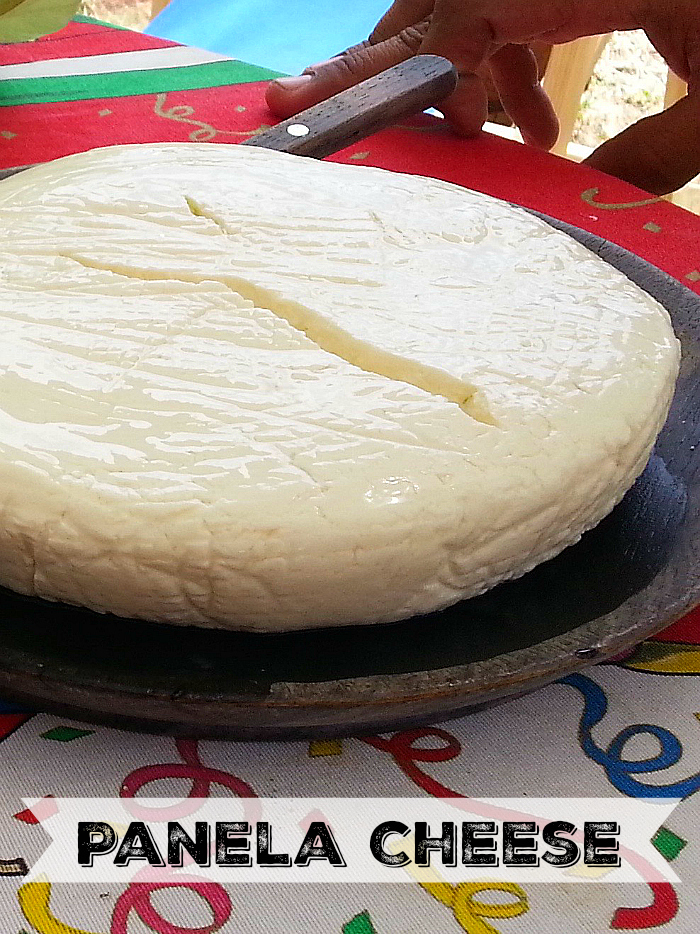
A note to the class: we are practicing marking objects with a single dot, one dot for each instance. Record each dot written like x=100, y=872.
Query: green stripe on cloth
x=91, y=21
x=129, y=83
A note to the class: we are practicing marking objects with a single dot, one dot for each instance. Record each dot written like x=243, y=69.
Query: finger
x=460, y=35
x=516, y=76
x=288, y=96
x=467, y=108
x=469, y=31
x=659, y=154
x=401, y=15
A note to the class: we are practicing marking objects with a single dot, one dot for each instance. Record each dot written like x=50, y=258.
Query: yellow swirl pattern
x=665, y=658
x=590, y=194
x=204, y=132
x=469, y=912
x=34, y=899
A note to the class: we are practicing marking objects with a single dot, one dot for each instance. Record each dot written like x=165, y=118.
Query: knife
x=375, y=104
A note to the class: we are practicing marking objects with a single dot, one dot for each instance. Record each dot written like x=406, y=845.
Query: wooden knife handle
x=401, y=91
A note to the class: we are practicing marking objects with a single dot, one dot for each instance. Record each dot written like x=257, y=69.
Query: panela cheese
x=257, y=391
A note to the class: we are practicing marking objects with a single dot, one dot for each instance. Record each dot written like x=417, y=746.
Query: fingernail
x=294, y=83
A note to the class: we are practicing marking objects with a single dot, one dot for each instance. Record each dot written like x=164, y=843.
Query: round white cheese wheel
x=256, y=391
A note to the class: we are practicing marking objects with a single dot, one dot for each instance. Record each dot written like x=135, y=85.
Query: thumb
x=658, y=154
x=288, y=96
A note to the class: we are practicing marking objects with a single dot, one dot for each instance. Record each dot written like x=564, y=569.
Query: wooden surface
x=676, y=88
x=568, y=72
x=637, y=572
x=157, y=6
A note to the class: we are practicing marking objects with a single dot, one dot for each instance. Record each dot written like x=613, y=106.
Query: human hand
x=492, y=39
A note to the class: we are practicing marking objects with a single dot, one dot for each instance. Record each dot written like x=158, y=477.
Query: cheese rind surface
x=256, y=391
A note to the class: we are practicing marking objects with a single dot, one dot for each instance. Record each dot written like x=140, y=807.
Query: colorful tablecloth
x=627, y=729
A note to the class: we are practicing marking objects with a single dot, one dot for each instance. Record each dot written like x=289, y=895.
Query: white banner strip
x=144, y=60
x=356, y=840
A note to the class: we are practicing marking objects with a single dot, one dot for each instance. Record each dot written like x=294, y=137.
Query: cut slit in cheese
x=362, y=354
x=237, y=409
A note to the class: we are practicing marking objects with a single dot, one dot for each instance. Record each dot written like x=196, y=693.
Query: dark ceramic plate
x=634, y=574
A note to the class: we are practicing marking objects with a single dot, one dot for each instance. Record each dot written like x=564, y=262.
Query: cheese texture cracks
x=257, y=391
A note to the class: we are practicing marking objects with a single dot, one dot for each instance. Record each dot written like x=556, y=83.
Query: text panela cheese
x=257, y=391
